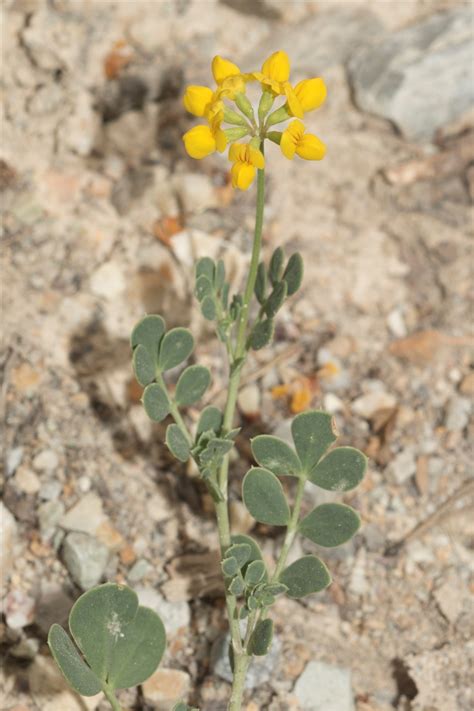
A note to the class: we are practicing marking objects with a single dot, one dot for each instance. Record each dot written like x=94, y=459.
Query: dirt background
x=103, y=217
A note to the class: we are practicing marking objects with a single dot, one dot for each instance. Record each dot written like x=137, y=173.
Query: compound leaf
x=65, y=653
x=340, y=470
x=276, y=455
x=261, y=638
x=192, y=384
x=241, y=552
x=177, y=443
x=156, y=403
x=313, y=433
x=330, y=525
x=264, y=497
x=305, y=576
x=176, y=346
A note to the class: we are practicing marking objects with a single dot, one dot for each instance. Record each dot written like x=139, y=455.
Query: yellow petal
x=296, y=129
x=242, y=175
x=197, y=99
x=256, y=158
x=221, y=140
x=277, y=67
x=288, y=144
x=311, y=93
x=199, y=142
x=231, y=86
x=310, y=147
x=237, y=152
x=294, y=104
x=222, y=68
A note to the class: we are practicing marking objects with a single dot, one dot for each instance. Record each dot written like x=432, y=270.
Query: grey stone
x=339, y=33
x=175, y=615
x=14, y=458
x=322, y=687
x=261, y=669
x=47, y=460
x=50, y=490
x=457, y=414
x=8, y=528
x=138, y=570
x=86, y=559
x=85, y=516
x=403, y=466
x=421, y=77
x=49, y=515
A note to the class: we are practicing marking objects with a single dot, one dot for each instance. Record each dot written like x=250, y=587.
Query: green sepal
x=176, y=346
x=281, y=114
x=177, y=443
x=232, y=117
x=255, y=573
x=342, y=469
x=330, y=525
x=76, y=672
x=156, y=402
x=305, y=576
x=275, y=269
x=261, y=283
x=143, y=365
x=313, y=433
x=275, y=137
x=262, y=334
x=265, y=104
x=261, y=638
x=233, y=134
x=275, y=301
x=293, y=274
x=276, y=455
x=192, y=384
x=264, y=498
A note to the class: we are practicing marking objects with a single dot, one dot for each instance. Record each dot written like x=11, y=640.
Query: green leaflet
x=264, y=497
x=275, y=269
x=274, y=454
x=156, y=403
x=340, y=470
x=143, y=365
x=192, y=384
x=276, y=299
x=176, y=346
x=65, y=653
x=262, y=334
x=305, y=576
x=261, y=639
x=148, y=332
x=293, y=274
x=313, y=433
x=330, y=525
x=177, y=443
x=255, y=573
x=211, y=419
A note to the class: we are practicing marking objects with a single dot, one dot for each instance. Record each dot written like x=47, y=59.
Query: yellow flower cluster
x=231, y=85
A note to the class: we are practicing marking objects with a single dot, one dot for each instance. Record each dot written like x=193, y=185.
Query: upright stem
x=241, y=664
x=111, y=698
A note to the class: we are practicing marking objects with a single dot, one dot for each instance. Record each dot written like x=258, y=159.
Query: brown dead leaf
x=117, y=59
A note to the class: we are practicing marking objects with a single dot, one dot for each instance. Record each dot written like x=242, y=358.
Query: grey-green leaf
x=156, y=403
x=293, y=274
x=255, y=572
x=121, y=641
x=211, y=419
x=262, y=334
x=148, y=332
x=176, y=346
x=255, y=552
x=330, y=525
x=203, y=287
x=264, y=497
x=340, y=470
x=208, y=308
x=241, y=552
x=275, y=269
x=276, y=455
x=205, y=266
x=77, y=673
x=313, y=433
x=276, y=299
x=230, y=567
x=261, y=283
x=237, y=586
x=177, y=443
x=305, y=576
x=143, y=365
x=192, y=384
x=261, y=638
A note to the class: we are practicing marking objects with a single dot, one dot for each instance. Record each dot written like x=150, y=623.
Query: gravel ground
x=104, y=215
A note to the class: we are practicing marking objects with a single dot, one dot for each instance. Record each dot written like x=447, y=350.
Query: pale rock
x=249, y=400
x=14, y=458
x=50, y=490
x=158, y=508
x=467, y=385
x=78, y=132
x=323, y=687
x=19, y=609
x=8, y=529
x=368, y=405
x=86, y=559
x=166, y=686
x=108, y=281
x=402, y=466
x=49, y=515
x=86, y=516
x=195, y=192
x=240, y=518
x=283, y=431
x=333, y=404
x=449, y=597
x=396, y=324
x=51, y=692
x=358, y=584
x=133, y=134
x=138, y=570
x=27, y=481
x=47, y=460
x=457, y=414
x=261, y=669
x=176, y=616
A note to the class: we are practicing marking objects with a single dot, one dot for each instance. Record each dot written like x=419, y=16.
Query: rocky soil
x=104, y=215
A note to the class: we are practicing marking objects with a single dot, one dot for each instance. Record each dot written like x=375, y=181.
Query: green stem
x=290, y=530
x=174, y=410
x=241, y=664
x=111, y=698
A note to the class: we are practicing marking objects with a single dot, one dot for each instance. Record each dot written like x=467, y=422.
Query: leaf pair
x=192, y=384
x=121, y=642
x=155, y=351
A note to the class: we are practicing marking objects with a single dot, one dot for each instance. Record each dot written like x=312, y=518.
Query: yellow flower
x=246, y=160
x=295, y=140
x=201, y=141
x=223, y=68
x=277, y=67
x=198, y=99
x=228, y=77
x=275, y=75
x=310, y=93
